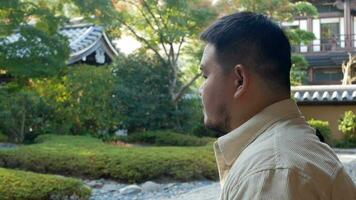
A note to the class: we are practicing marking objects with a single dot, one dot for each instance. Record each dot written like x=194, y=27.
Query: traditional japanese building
x=88, y=44
x=335, y=32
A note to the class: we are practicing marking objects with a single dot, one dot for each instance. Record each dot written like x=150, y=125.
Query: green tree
x=82, y=100
x=142, y=93
x=163, y=27
x=35, y=48
x=281, y=11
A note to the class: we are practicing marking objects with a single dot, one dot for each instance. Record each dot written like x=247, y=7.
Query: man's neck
x=250, y=109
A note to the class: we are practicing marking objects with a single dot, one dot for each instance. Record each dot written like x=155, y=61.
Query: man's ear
x=240, y=80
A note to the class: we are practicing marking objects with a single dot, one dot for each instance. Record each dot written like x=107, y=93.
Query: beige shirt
x=276, y=155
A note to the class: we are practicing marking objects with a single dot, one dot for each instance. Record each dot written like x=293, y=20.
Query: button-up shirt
x=276, y=155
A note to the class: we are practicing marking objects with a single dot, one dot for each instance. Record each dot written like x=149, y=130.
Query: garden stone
x=110, y=187
x=7, y=145
x=150, y=186
x=131, y=189
x=169, y=185
x=95, y=184
x=121, y=132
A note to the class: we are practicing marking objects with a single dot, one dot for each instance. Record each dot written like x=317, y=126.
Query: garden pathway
x=195, y=190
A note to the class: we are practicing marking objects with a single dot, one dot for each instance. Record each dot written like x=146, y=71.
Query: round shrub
x=323, y=127
x=347, y=125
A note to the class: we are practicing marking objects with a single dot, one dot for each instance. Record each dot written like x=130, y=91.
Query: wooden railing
x=336, y=43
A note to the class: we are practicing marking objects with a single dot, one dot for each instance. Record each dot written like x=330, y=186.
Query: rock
x=121, y=132
x=95, y=184
x=169, y=185
x=150, y=186
x=7, y=145
x=131, y=189
x=110, y=187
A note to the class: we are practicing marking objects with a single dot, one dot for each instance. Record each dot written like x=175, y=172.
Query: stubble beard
x=221, y=127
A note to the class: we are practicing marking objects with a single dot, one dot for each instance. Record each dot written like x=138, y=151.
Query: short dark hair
x=255, y=41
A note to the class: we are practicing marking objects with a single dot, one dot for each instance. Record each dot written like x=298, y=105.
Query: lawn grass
x=20, y=185
x=84, y=156
x=166, y=138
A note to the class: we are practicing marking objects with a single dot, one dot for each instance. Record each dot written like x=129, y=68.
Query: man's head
x=246, y=64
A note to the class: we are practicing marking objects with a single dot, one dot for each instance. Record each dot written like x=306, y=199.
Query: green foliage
x=347, y=126
x=165, y=138
x=39, y=50
x=161, y=26
x=79, y=102
x=18, y=185
x=142, y=93
x=303, y=8
x=3, y=137
x=191, y=118
x=323, y=127
x=82, y=99
x=83, y=156
x=298, y=71
x=23, y=115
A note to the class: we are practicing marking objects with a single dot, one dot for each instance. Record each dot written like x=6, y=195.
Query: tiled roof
x=84, y=39
x=325, y=94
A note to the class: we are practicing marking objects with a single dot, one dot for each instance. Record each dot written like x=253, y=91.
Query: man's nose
x=201, y=90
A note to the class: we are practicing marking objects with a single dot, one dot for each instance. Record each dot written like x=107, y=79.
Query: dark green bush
x=3, y=137
x=191, y=118
x=84, y=156
x=142, y=93
x=165, y=138
x=324, y=129
x=24, y=115
x=19, y=185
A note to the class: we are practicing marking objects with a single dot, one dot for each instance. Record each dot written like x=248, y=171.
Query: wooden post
x=347, y=24
x=310, y=29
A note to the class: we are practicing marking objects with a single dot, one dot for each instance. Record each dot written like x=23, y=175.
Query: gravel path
x=197, y=190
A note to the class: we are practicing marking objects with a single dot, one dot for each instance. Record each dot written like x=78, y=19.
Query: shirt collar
x=232, y=144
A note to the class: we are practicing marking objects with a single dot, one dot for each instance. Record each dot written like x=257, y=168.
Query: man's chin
x=220, y=130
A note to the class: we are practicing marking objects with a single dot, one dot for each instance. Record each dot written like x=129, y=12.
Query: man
x=267, y=151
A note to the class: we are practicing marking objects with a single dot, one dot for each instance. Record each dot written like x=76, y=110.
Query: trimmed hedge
x=19, y=185
x=88, y=157
x=324, y=129
x=165, y=138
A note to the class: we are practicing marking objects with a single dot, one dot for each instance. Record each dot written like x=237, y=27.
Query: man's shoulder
x=292, y=145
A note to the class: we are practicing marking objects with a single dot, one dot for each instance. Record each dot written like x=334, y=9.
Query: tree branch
x=179, y=47
x=150, y=12
x=143, y=40
x=158, y=25
x=180, y=93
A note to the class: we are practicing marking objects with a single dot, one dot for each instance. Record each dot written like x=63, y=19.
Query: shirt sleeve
x=343, y=186
x=275, y=184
